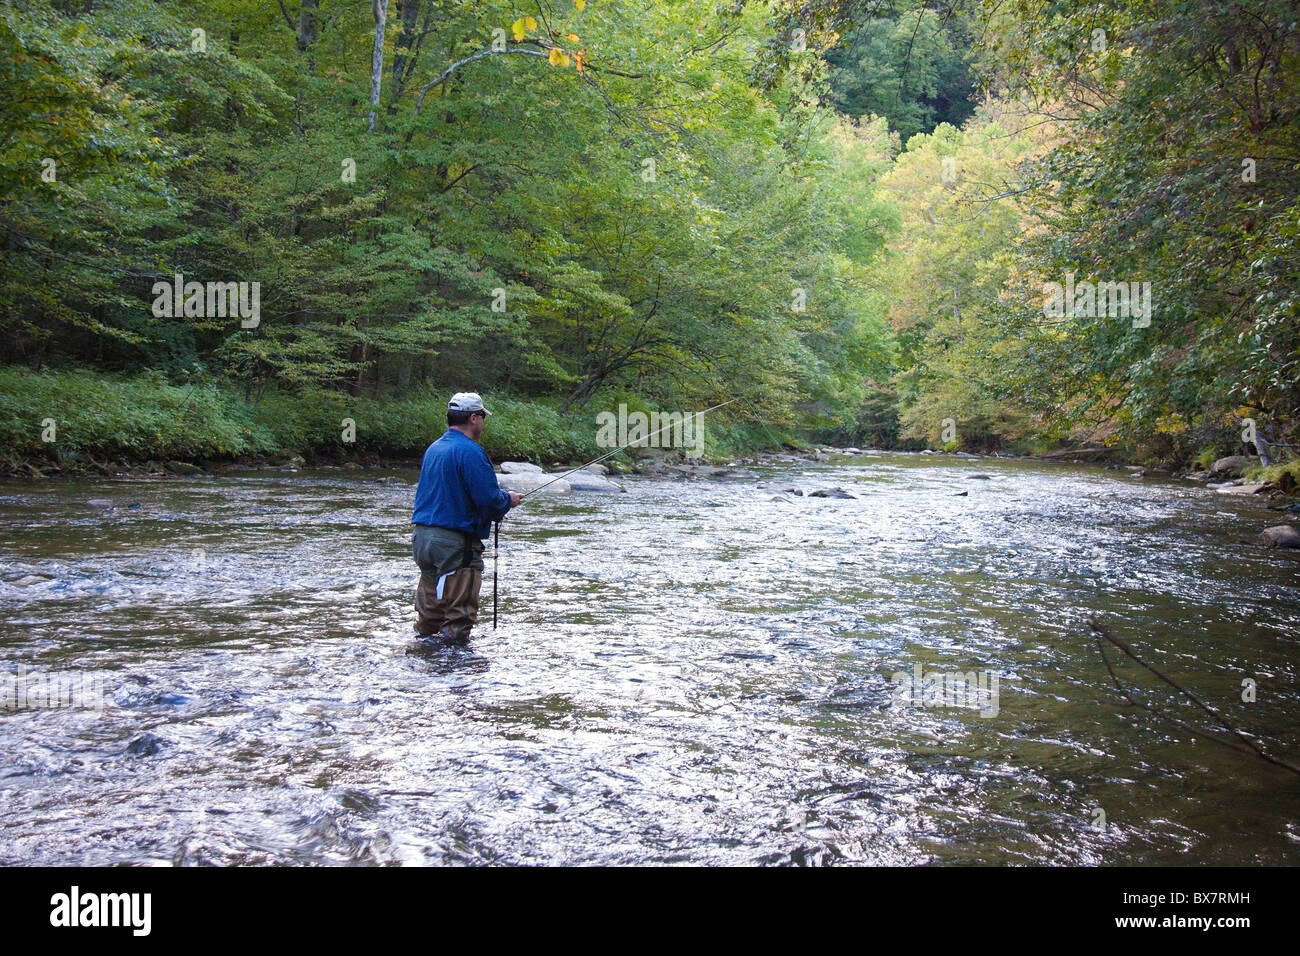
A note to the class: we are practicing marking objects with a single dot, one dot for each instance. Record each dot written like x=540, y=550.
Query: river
x=691, y=672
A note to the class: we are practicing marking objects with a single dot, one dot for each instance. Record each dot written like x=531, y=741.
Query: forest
x=232, y=227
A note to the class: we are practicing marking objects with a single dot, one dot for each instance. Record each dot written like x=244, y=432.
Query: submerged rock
x=146, y=745
x=103, y=504
x=830, y=493
x=1280, y=536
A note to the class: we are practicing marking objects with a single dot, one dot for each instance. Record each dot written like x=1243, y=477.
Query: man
x=456, y=501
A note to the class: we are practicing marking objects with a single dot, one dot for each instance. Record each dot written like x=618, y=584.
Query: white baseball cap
x=467, y=402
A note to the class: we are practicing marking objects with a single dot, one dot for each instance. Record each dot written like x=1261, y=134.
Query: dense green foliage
x=646, y=221
x=909, y=64
x=1173, y=162
x=843, y=213
x=104, y=418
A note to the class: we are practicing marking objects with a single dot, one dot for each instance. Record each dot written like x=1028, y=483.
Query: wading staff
x=496, y=552
x=496, y=542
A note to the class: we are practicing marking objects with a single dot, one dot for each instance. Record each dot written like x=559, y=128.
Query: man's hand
x=515, y=498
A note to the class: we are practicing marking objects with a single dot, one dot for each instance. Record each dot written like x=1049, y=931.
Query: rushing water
x=688, y=672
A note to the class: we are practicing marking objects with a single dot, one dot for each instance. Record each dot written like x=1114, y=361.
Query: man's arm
x=484, y=490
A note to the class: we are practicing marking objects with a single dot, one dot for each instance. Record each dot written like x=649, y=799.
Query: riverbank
x=73, y=423
x=76, y=423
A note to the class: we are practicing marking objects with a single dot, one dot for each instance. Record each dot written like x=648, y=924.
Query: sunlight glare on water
x=691, y=672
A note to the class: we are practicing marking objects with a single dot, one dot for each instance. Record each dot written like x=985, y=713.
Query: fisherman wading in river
x=456, y=502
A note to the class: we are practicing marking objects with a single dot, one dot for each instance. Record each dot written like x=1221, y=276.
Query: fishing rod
x=496, y=537
x=635, y=441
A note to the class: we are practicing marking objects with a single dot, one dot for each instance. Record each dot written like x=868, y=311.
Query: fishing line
x=636, y=441
x=496, y=540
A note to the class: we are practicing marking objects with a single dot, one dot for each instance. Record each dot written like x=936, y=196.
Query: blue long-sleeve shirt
x=458, y=488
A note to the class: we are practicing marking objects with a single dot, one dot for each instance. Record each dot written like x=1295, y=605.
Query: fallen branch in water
x=1101, y=631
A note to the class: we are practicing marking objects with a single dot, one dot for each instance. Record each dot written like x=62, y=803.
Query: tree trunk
x=1262, y=446
x=359, y=382
x=586, y=388
x=377, y=61
x=408, y=11
x=307, y=24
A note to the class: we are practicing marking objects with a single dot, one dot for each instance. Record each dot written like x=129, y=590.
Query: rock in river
x=1242, y=489
x=524, y=482
x=145, y=745
x=1280, y=536
x=520, y=468
x=1232, y=465
x=586, y=481
x=830, y=493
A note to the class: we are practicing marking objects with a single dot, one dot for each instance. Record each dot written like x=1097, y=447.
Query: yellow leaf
x=558, y=57
x=580, y=4
x=530, y=23
x=571, y=37
x=578, y=61
x=517, y=28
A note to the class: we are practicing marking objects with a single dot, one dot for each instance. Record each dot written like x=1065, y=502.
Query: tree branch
x=481, y=54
